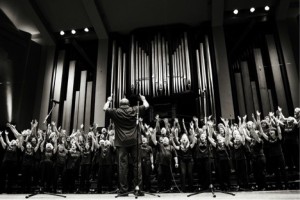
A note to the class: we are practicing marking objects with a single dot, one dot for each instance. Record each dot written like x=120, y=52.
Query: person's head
x=101, y=142
x=264, y=124
x=203, y=137
x=238, y=138
x=52, y=135
x=49, y=147
x=267, y=118
x=235, y=133
x=103, y=130
x=198, y=132
x=33, y=141
x=90, y=134
x=166, y=141
x=60, y=148
x=145, y=140
x=13, y=143
x=163, y=131
x=73, y=146
x=160, y=139
x=221, y=128
x=28, y=145
x=107, y=143
x=290, y=121
x=124, y=102
x=80, y=139
x=272, y=133
x=184, y=139
x=250, y=125
x=235, y=126
x=87, y=146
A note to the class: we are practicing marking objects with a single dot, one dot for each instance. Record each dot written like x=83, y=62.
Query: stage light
x=252, y=9
x=236, y=11
x=267, y=8
x=86, y=30
x=73, y=31
x=62, y=33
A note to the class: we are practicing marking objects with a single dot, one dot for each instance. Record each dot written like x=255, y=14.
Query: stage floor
x=272, y=195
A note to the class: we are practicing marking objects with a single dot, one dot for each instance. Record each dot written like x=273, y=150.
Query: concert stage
x=274, y=195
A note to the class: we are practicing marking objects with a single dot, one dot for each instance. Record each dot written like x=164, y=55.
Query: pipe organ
x=161, y=64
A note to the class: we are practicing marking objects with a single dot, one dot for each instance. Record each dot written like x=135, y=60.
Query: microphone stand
x=42, y=192
x=53, y=106
x=137, y=188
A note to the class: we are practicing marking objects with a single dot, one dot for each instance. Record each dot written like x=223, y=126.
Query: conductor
x=126, y=130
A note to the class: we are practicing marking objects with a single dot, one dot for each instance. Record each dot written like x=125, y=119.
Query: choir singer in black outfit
x=126, y=132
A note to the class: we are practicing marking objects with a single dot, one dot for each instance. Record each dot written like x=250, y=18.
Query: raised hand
x=245, y=117
x=239, y=118
x=195, y=119
x=6, y=132
x=176, y=120
x=279, y=109
x=81, y=126
x=257, y=113
x=157, y=117
x=109, y=98
x=53, y=123
x=191, y=125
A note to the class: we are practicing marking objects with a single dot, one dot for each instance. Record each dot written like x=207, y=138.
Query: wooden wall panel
x=255, y=96
x=101, y=78
x=247, y=89
x=66, y=120
x=88, y=104
x=57, y=84
x=278, y=81
x=75, y=116
x=240, y=94
x=82, y=93
x=263, y=90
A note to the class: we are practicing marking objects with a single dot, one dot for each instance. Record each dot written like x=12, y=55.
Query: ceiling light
x=267, y=8
x=236, y=11
x=62, y=33
x=73, y=31
x=86, y=30
x=252, y=9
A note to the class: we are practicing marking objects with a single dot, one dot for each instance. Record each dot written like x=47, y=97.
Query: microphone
x=54, y=101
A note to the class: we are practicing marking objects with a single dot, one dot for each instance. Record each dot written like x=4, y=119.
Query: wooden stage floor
x=255, y=195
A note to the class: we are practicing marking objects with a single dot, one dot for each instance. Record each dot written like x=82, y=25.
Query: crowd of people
x=55, y=160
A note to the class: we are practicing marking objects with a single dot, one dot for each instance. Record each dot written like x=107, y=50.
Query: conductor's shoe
x=139, y=193
x=123, y=194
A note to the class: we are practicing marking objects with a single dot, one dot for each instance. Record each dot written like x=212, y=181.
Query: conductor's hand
x=142, y=97
x=109, y=98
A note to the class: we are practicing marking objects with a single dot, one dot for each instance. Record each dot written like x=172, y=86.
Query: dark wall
x=19, y=64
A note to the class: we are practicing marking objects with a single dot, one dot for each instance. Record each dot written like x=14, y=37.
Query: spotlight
x=236, y=11
x=73, y=31
x=86, y=30
x=62, y=33
x=267, y=8
x=252, y=9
